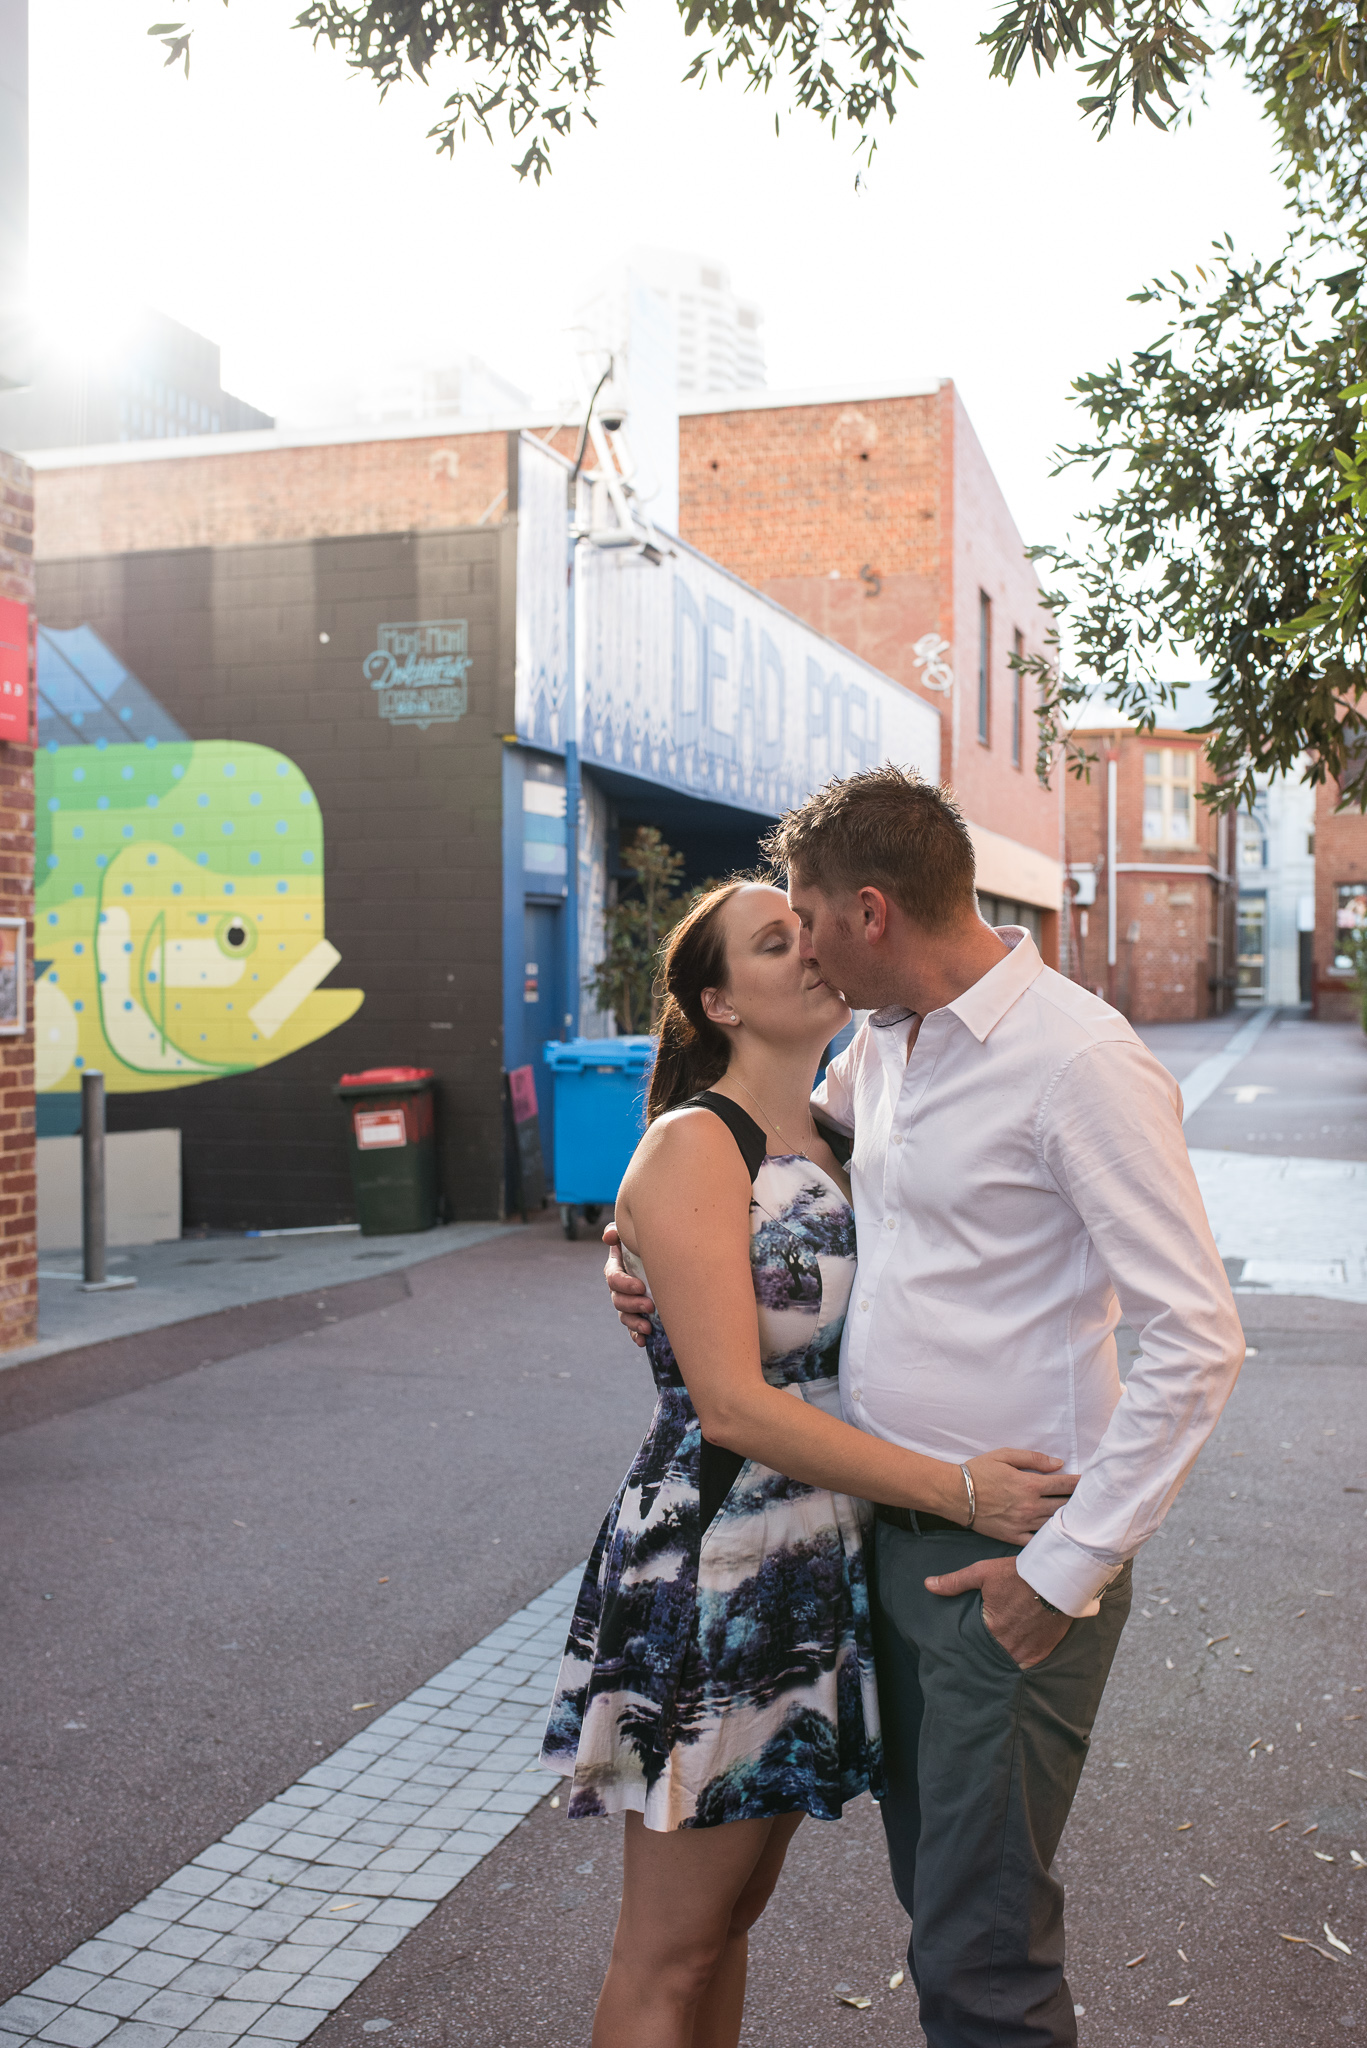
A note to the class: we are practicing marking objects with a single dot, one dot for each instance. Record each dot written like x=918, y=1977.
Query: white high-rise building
x=1275, y=843
x=465, y=387
x=720, y=338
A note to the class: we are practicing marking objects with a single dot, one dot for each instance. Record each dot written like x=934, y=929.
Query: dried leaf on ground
x=1180, y=2001
x=1142, y=1957
x=1301, y=1941
x=1335, y=1942
x=858, y=1999
x=1210, y=1881
x=897, y=1980
x=1278, y=1826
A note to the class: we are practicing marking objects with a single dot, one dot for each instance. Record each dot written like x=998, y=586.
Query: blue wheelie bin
x=600, y=1112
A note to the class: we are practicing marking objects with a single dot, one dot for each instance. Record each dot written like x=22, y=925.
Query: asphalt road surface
x=1301, y=1091
x=206, y=1563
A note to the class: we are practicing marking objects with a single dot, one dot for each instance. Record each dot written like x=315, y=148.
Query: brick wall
x=18, y=1176
x=1174, y=918
x=878, y=523
x=342, y=487
x=1340, y=856
x=268, y=644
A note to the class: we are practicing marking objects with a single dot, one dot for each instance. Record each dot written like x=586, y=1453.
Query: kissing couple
x=819, y=1578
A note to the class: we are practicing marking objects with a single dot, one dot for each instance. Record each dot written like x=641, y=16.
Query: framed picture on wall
x=12, y=976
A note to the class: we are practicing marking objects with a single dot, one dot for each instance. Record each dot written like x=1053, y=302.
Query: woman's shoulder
x=688, y=1148
x=692, y=1132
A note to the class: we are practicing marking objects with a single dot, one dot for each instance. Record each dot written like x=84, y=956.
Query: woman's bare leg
x=681, y=1894
x=716, y=2022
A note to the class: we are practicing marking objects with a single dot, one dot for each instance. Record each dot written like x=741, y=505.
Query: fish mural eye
x=235, y=937
x=143, y=832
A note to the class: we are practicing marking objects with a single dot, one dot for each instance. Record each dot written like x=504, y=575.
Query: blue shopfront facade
x=700, y=707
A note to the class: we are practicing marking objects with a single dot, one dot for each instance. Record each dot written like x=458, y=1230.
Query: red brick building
x=877, y=519
x=1340, y=903
x=18, y=1177
x=1154, y=895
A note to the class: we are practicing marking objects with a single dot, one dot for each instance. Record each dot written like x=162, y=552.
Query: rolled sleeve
x=1110, y=1136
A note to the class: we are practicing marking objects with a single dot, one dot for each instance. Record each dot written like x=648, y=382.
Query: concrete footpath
x=235, y=1553
x=201, y=1276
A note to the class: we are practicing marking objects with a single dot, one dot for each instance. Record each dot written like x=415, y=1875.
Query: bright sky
x=273, y=203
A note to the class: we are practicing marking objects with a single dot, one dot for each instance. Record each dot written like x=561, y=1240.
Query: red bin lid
x=385, y=1076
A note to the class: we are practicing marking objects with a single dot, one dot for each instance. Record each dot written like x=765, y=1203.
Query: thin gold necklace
x=774, y=1120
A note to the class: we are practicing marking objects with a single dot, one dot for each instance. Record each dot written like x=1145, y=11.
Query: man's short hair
x=887, y=829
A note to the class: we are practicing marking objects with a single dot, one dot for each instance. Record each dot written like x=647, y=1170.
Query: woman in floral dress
x=718, y=1680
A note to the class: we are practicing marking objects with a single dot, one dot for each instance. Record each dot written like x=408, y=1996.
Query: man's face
x=832, y=940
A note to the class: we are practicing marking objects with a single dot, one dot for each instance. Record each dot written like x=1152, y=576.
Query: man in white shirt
x=1020, y=1179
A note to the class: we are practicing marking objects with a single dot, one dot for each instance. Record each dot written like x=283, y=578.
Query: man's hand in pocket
x=1012, y=1610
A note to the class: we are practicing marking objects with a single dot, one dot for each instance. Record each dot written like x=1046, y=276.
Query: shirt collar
x=983, y=1006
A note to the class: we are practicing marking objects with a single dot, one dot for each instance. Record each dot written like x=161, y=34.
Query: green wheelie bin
x=391, y=1140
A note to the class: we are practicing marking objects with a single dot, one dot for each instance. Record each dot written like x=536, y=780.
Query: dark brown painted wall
x=229, y=641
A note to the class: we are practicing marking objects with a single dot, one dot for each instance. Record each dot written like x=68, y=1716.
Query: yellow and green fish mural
x=179, y=934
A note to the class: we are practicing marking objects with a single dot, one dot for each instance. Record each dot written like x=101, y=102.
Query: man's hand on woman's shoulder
x=629, y=1297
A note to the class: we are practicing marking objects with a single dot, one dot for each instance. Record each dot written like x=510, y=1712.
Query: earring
x=733, y=1019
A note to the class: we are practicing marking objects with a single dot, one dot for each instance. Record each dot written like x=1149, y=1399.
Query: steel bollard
x=95, y=1278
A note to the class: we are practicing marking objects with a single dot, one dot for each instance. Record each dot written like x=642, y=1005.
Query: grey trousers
x=983, y=1760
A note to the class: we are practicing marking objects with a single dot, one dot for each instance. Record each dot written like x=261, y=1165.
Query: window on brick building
x=984, y=667
x=1350, y=917
x=1017, y=705
x=1169, y=796
x=1252, y=841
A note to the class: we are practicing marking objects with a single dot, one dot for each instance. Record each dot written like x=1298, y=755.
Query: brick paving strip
x=273, y=1927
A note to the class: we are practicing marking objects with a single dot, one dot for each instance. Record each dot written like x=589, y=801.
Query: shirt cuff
x=1064, y=1574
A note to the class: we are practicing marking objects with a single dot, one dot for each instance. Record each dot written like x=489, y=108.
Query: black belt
x=915, y=1520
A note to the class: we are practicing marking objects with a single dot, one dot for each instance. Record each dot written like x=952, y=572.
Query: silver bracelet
x=972, y=1497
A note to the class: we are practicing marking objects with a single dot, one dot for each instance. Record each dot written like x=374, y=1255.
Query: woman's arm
x=684, y=1209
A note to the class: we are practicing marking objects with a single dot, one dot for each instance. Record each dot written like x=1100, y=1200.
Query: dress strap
x=746, y=1132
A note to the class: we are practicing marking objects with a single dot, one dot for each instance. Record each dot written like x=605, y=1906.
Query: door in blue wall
x=543, y=1009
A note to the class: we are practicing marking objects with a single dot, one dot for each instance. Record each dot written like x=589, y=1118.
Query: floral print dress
x=719, y=1664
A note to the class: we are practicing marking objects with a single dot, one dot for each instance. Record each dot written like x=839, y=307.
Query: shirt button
x=864, y=1305
x=858, y=1393
x=896, y=1139
x=891, y=1223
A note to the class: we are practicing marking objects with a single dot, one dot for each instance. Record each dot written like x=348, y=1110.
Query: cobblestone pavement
x=212, y=1573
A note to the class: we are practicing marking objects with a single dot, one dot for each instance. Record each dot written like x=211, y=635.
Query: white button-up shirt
x=1018, y=1181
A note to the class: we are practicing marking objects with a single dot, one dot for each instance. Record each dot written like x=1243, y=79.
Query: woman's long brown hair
x=693, y=1051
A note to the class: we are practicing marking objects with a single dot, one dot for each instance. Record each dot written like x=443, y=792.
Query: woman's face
x=776, y=996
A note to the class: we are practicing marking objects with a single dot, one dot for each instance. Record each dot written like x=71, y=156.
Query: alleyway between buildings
x=284, y=1584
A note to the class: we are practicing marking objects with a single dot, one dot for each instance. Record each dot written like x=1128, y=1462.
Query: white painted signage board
x=689, y=677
